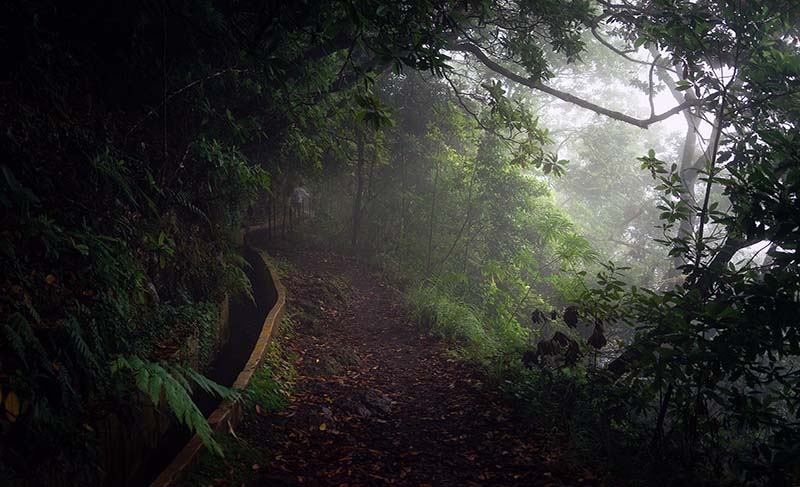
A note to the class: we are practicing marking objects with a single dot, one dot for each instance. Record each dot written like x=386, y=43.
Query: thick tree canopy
x=645, y=290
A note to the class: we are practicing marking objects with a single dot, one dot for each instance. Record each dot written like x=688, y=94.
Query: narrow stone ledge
x=229, y=413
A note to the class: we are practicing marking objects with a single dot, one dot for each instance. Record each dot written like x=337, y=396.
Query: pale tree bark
x=692, y=161
x=689, y=161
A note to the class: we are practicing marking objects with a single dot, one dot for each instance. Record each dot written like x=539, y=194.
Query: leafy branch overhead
x=641, y=298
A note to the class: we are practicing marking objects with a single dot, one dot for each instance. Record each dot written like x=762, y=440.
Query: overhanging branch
x=567, y=97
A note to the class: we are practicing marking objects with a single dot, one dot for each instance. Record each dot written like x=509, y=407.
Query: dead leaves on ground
x=401, y=412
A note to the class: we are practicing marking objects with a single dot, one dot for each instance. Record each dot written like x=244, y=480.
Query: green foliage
x=129, y=167
x=115, y=243
x=602, y=423
x=236, y=466
x=483, y=335
x=185, y=332
x=268, y=391
x=608, y=197
x=455, y=212
x=172, y=382
x=270, y=386
x=446, y=316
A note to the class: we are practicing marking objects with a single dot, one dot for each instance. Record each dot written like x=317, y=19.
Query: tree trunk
x=432, y=221
x=466, y=223
x=401, y=233
x=690, y=164
x=356, y=223
x=284, y=217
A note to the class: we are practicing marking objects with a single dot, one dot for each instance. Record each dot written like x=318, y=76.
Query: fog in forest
x=424, y=243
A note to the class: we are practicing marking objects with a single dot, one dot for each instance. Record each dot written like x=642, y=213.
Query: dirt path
x=378, y=403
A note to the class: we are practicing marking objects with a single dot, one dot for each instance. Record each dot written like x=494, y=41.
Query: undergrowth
x=474, y=335
x=281, y=265
x=269, y=391
x=447, y=316
x=173, y=384
x=270, y=386
x=237, y=467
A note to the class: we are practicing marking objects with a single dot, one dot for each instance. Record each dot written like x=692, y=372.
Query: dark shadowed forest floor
x=377, y=402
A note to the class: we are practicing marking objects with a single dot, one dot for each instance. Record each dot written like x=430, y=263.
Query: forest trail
x=376, y=402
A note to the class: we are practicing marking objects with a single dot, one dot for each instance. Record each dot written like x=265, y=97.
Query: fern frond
x=241, y=281
x=76, y=335
x=184, y=199
x=24, y=341
x=157, y=379
x=154, y=388
x=16, y=341
x=68, y=392
x=142, y=376
x=177, y=373
x=212, y=387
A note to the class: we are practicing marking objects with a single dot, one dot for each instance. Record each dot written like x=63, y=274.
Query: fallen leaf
x=12, y=406
x=323, y=427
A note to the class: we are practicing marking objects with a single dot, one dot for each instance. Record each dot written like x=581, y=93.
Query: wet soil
x=378, y=402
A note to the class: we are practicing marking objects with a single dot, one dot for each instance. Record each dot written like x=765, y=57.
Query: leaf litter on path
x=397, y=410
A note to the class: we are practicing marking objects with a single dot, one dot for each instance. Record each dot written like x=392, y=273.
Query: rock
x=353, y=407
x=362, y=410
x=307, y=304
x=378, y=400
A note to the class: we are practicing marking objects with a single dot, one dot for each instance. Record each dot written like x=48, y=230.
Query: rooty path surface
x=377, y=402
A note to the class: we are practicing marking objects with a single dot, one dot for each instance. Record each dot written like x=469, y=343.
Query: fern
x=15, y=340
x=154, y=388
x=210, y=386
x=76, y=335
x=239, y=281
x=97, y=340
x=68, y=393
x=24, y=341
x=172, y=382
x=115, y=169
x=184, y=199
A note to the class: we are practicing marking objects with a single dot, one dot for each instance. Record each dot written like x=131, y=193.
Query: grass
x=446, y=316
x=281, y=265
x=270, y=386
x=495, y=345
x=235, y=468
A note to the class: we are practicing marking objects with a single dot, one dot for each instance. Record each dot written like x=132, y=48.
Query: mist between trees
x=634, y=164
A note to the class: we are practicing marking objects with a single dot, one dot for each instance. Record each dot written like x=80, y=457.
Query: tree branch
x=616, y=50
x=179, y=91
x=569, y=98
x=650, y=93
x=465, y=107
